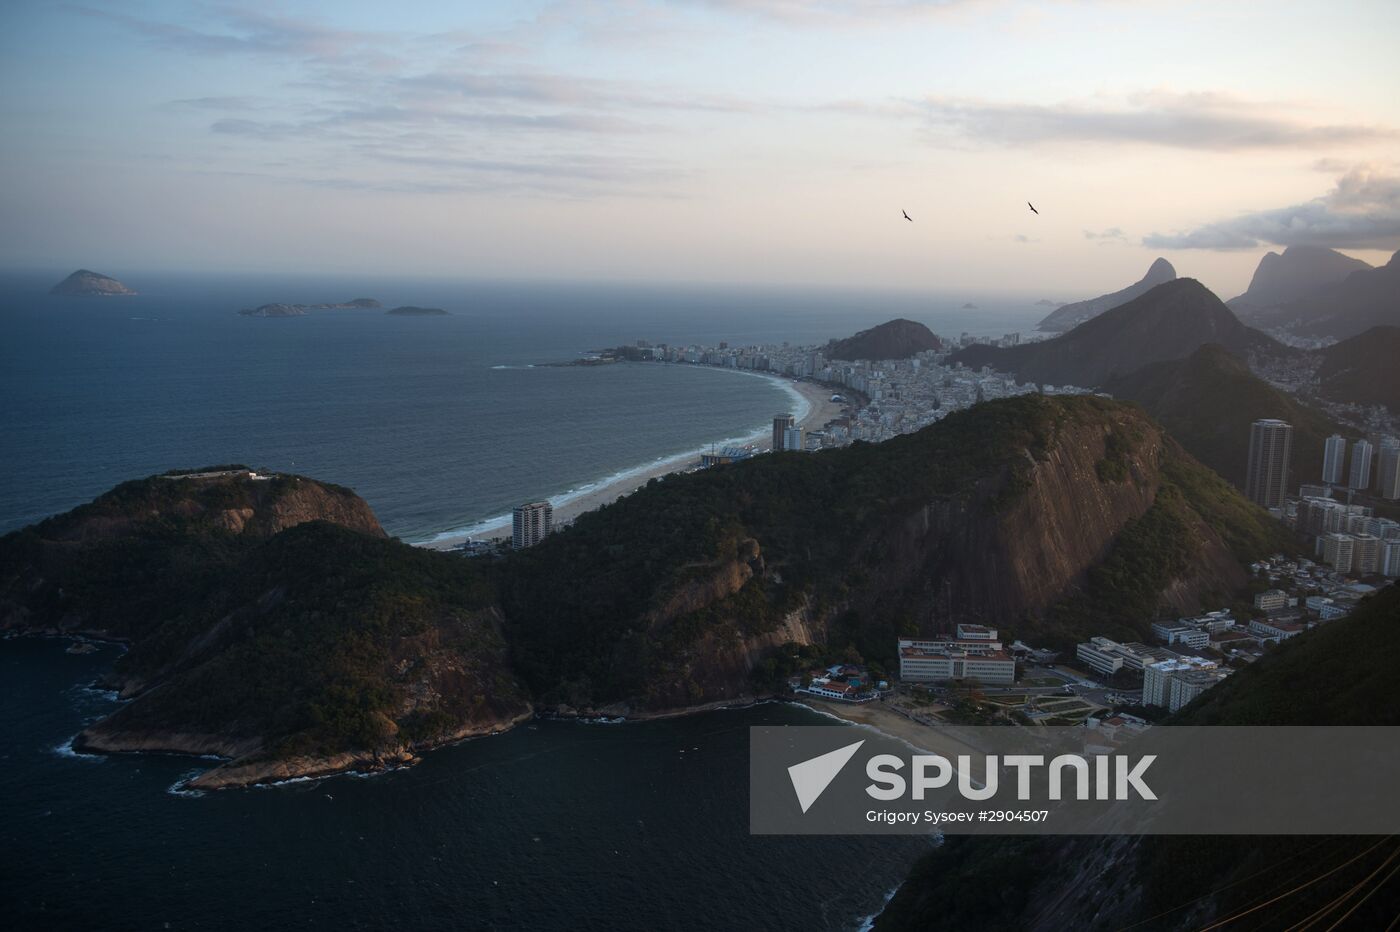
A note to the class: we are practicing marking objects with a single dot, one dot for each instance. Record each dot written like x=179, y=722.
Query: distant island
x=84, y=282
x=409, y=310
x=969, y=306
x=274, y=310
x=1046, y=302
x=299, y=310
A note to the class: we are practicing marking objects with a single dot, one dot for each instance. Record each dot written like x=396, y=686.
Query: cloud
x=1113, y=235
x=1208, y=121
x=245, y=32
x=1361, y=212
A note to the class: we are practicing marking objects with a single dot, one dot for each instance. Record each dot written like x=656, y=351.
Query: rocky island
x=409, y=310
x=84, y=282
x=299, y=310
x=274, y=310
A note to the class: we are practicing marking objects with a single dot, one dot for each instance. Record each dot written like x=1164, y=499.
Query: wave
x=181, y=787
x=66, y=750
x=801, y=409
x=513, y=367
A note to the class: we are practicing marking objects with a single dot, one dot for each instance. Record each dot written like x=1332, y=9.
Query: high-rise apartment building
x=1388, y=470
x=1334, y=457
x=531, y=523
x=781, y=425
x=1361, y=454
x=1266, y=476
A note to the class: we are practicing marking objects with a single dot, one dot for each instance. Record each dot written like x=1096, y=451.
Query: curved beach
x=812, y=405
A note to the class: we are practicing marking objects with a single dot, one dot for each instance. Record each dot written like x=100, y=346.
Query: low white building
x=974, y=654
x=1280, y=630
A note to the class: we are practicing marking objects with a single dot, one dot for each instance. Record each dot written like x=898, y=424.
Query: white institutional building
x=975, y=653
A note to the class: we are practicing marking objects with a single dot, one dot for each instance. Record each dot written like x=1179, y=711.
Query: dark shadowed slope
x=1171, y=321
x=1364, y=369
x=1207, y=402
x=1365, y=299
x=1069, y=316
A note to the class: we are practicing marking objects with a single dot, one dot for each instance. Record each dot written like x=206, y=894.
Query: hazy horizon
x=725, y=142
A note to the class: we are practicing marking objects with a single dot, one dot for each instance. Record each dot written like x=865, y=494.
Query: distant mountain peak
x=1298, y=272
x=894, y=339
x=1069, y=316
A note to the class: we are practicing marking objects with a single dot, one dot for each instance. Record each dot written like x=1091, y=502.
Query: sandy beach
x=885, y=720
x=820, y=410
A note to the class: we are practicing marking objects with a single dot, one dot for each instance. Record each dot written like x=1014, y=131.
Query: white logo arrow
x=811, y=777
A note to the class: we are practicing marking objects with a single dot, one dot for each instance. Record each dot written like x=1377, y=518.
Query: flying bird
x=1032, y=207
x=906, y=216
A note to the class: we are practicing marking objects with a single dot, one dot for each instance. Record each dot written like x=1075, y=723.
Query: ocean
x=440, y=423
x=554, y=825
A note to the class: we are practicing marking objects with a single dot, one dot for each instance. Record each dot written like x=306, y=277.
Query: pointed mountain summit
x=1169, y=322
x=1297, y=272
x=1069, y=316
x=84, y=282
x=894, y=339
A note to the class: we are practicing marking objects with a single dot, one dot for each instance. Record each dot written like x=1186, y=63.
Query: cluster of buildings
x=1303, y=593
x=1170, y=679
x=972, y=653
x=1347, y=536
x=901, y=395
x=843, y=682
x=1375, y=464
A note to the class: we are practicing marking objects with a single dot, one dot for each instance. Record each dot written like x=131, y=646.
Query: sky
x=764, y=141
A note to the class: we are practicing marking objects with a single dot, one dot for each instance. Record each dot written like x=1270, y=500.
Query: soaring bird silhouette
x=906, y=216
x=1032, y=207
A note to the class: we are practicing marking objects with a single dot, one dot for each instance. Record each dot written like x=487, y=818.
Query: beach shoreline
x=819, y=410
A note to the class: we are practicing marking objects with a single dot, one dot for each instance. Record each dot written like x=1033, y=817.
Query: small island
x=409, y=310
x=1046, y=302
x=274, y=310
x=299, y=310
x=969, y=306
x=84, y=282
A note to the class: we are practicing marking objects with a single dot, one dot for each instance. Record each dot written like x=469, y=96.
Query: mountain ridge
x=1170, y=321
x=1069, y=316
